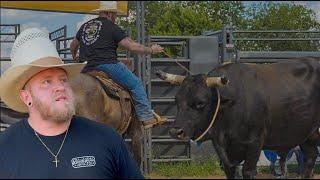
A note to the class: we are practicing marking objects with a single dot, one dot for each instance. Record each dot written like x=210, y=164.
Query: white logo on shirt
x=91, y=31
x=84, y=161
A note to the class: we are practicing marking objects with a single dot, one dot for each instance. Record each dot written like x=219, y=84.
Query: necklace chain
x=49, y=150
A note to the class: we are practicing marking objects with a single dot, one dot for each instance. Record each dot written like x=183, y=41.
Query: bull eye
x=199, y=105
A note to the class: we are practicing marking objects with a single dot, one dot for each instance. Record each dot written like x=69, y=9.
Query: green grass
x=209, y=167
x=182, y=169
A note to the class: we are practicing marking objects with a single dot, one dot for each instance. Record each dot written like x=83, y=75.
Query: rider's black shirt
x=99, y=40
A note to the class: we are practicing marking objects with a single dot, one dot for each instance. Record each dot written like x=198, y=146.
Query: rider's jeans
x=120, y=74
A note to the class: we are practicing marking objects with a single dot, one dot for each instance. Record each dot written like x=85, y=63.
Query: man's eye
x=46, y=82
x=64, y=80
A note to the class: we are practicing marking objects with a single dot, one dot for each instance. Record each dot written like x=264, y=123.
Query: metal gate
x=161, y=95
x=8, y=34
x=188, y=55
x=230, y=49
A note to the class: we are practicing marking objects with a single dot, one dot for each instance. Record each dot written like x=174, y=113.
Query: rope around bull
x=213, y=119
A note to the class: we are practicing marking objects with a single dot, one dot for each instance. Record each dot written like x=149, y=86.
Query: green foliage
x=280, y=16
x=184, y=18
x=180, y=18
x=191, y=17
x=182, y=21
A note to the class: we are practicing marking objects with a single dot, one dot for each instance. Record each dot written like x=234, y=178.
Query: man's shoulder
x=99, y=19
x=107, y=22
x=87, y=22
x=11, y=132
x=97, y=130
x=92, y=125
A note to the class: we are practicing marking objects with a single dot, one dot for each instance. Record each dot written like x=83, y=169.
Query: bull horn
x=171, y=78
x=216, y=81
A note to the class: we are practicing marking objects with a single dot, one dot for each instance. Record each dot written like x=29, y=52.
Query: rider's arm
x=74, y=48
x=137, y=48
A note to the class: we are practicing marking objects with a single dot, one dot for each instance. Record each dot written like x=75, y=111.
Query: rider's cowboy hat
x=31, y=53
x=109, y=6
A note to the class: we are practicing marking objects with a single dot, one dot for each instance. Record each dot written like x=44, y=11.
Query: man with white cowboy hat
x=52, y=142
x=98, y=40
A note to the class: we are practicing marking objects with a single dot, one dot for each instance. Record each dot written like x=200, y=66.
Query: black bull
x=264, y=106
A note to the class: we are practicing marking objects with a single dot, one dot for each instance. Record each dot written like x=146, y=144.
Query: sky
x=50, y=21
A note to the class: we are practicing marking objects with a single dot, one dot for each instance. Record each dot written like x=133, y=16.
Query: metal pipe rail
x=170, y=37
x=237, y=32
x=15, y=28
x=161, y=136
x=5, y=59
x=59, y=33
x=6, y=41
x=9, y=34
x=65, y=39
x=272, y=56
x=273, y=31
x=178, y=59
x=276, y=54
x=276, y=39
x=167, y=40
x=9, y=25
x=208, y=33
x=169, y=140
x=176, y=43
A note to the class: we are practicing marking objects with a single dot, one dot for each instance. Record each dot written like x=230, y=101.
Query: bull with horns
x=264, y=106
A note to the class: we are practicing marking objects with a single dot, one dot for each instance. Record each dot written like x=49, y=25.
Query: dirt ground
x=259, y=176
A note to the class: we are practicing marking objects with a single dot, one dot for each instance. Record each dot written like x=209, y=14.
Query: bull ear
x=216, y=81
x=171, y=78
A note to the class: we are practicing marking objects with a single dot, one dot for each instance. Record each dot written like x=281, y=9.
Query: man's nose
x=60, y=86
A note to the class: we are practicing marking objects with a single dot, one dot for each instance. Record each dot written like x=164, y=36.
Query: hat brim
x=13, y=80
x=96, y=11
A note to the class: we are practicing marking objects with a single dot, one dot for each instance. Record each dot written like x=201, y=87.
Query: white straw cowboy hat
x=109, y=6
x=31, y=53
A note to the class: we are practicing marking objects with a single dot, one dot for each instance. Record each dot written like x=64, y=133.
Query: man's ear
x=25, y=96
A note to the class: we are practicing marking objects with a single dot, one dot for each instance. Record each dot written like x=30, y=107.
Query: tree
x=186, y=18
x=183, y=18
x=280, y=16
x=180, y=18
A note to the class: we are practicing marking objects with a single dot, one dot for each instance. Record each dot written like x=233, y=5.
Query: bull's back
x=281, y=99
x=93, y=103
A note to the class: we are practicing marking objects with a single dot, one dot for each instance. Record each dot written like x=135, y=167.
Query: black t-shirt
x=91, y=150
x=99, y=40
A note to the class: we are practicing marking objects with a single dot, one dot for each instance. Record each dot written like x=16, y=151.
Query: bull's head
x=196, y=101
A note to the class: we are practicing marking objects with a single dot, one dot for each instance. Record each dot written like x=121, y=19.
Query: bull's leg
x=250, y=164
x=230, y=172
x=310, y=151
x=220, y=146
x=252, y=156
x=283, y=166
x=136, y=133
